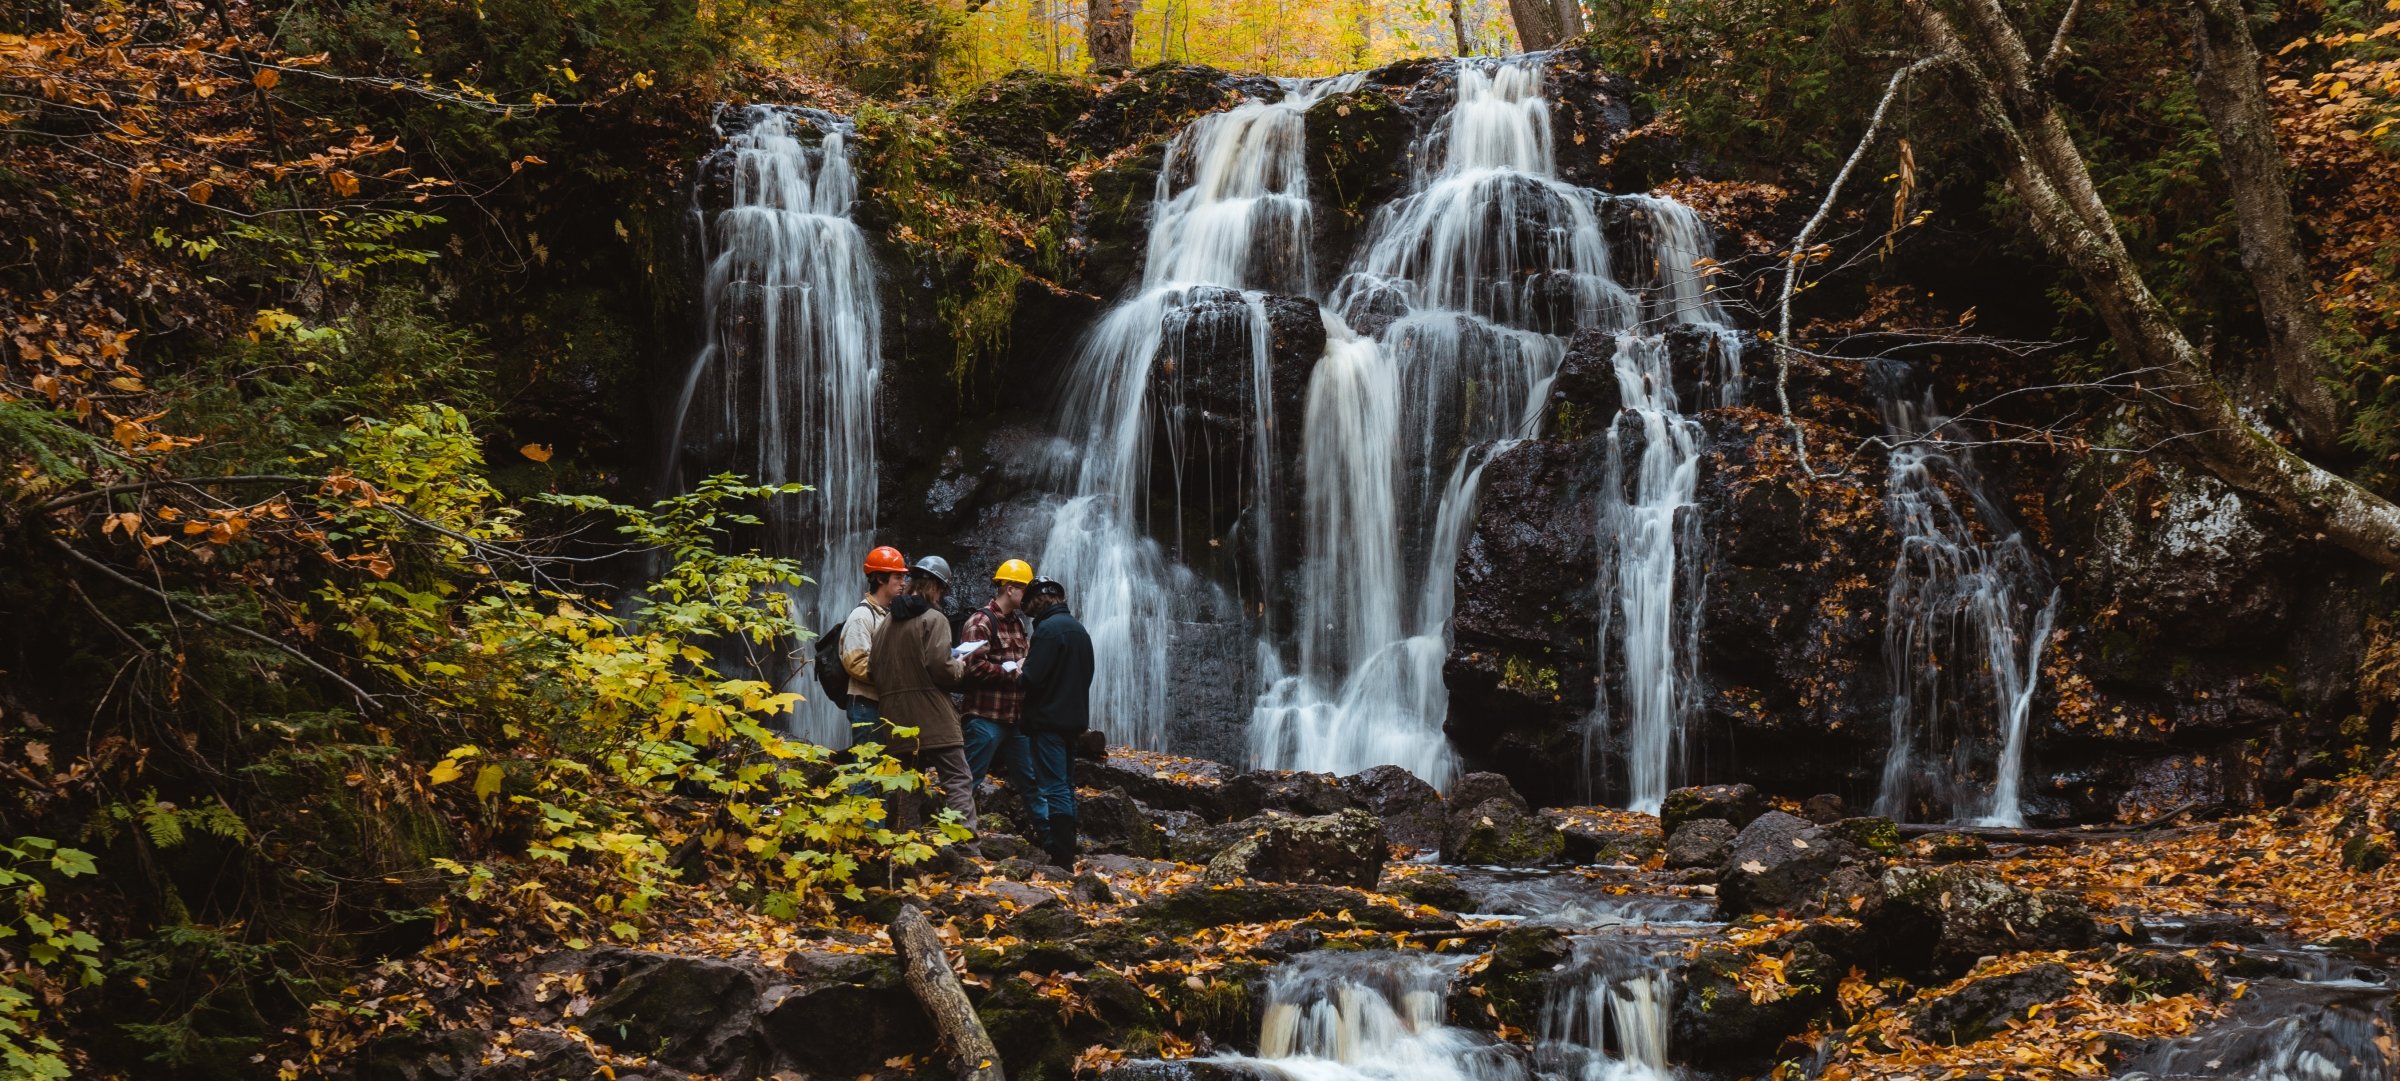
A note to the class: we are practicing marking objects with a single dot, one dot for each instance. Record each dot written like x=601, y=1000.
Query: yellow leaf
x=487, y=781
x=201, y=191
x=535, y=451
x=345, y=183
x=443, y=772
x=266, y=78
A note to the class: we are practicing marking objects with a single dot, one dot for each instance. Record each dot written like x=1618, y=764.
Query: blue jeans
x=988, y=739
x=1052, y=759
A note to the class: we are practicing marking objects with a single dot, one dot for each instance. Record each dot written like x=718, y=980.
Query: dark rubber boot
x=1062, y=847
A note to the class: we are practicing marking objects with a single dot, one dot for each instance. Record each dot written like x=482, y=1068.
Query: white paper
x=963, y=649
x=1010, y=666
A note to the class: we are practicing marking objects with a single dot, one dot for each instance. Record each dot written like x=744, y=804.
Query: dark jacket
x=1058, y=675
x=912, y=670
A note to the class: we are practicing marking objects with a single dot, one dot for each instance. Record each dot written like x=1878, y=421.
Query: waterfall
x=1963, y=635
x=783, y=386
x=1607, y=1017
x=1230, y=217
x=1465, y=290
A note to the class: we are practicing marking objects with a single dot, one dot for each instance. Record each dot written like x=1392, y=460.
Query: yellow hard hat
x=1015, y=570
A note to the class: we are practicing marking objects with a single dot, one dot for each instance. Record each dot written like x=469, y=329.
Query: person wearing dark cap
x=1057, y=679
x=913, y=666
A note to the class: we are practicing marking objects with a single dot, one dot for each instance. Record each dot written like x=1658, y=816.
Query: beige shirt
x=858, y=639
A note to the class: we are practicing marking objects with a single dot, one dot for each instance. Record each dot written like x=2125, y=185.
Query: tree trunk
x=2047, y=172
x=1108, y=32
x=1458, y=25
x=2232, y=91
x=1543, y=24
x=926, y=967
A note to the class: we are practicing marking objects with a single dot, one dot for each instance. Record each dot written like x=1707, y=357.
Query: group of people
x=1024, y=670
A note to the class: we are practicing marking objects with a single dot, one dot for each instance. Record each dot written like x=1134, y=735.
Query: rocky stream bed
x=1307, y=927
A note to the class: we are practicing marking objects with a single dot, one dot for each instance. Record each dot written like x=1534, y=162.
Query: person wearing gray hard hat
x=914, y=665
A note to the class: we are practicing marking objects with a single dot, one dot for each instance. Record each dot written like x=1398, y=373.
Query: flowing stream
x=783, y=387
x=1968, y=614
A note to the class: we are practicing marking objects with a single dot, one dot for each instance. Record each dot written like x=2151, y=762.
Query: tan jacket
x=911, y=667
x=858, y=638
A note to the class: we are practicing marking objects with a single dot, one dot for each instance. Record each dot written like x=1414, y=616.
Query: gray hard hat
x=934, y=567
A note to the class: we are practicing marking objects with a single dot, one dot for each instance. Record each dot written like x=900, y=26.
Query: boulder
x=1739, y=804
x=1345, y=849
x=1498, y=832
x=1475, y=788
x=1248, y=794
x=1824, y=809
x=539, y=1055
x=1427, y=887
x=2159, y=973
x=1782, y=863
x=1879, y=835
x=1735, y=1008
x=1939, y=921
x=694, y=1013
x=1514, y=985
x=1588, y=835
x=1161, y=781
x=841, y=1014
x=1949, y=847
x=1703, y=842
x=1112, y=821
x=1413, y=812
x=1984, y=1006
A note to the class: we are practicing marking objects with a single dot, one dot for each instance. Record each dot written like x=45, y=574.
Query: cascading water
x=1963, y=634
x=1468, y=287
x=1607, y=1017
x=783, y=388
x=1231, y=217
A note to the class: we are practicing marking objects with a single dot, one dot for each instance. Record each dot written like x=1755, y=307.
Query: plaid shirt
x=992, y=693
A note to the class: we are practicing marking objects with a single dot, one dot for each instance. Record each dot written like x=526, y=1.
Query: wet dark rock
x=1345, y=849
x=1591, y=110
x=1025, y=113
x=1879, y=835
x=1984, y=1006
x=1358, y=160
x=1291, y=792
x=1090, y=889
x=1413, y=812
x=1113, y=220
x=2366, y=853
x=1780, y=863
x=694, y=1013
x=1442, y=891
x=537, y=1055
x=1156, y=101
x=1202, y=842
x=419, y=1056
x=1164, y=782
x=1586, y=840
x=841, y=1014
x=1824, y=809
x=1718, y=1025
x=1522, y=664
x=1739, y=804
x=1112, y=821
x=1490, y=825
x=1513, y=987
x=1704, y=842
x=1950, y=848
x=1047, y=922
x=2159, y=973
x=1210, y=906
x=1938, y=921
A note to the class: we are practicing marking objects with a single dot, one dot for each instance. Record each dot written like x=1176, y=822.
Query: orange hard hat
x=887, y=559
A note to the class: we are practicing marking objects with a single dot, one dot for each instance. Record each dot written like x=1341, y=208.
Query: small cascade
x=1452, y=322
x=1230, y=219
x=783, y=387
x=1608, y=1016
x=1968, y=614
x=1345, y=1015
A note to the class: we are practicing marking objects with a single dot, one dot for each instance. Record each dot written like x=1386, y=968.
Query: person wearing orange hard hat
x=887, y=577
x=994, y=702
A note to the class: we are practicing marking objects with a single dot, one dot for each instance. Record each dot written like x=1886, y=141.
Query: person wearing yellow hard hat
x=994, y=702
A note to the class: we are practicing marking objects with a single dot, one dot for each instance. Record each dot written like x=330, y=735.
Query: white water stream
x=783, y=389
x=1966, y=620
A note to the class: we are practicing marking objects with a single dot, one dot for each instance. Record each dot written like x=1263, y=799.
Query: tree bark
x=1543, y=24
x=2232, y=91
x=1108, y=32
x=926, y=966
x=1458, y=25
x=2047, y=172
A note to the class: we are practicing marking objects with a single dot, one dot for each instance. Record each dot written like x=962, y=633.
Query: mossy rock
x=1720, y=1023
x=1951, y=848
x=1026, y=113
x=1490, y=835
x=1223, y=1006
x=1195, y=907
x=1043, y=957
x=1114, y=221
x=1433, y=888
x=1357, y=149
x=1515, y=984
x=1880, y=835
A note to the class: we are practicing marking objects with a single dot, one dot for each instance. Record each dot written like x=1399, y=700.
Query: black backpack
x=831, y=676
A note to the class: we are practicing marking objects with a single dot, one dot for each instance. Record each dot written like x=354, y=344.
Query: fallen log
x=926, y=965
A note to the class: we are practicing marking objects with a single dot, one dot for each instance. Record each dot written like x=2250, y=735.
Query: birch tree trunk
x=2047, y=171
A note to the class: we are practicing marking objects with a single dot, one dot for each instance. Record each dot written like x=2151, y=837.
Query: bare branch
x=2058, y=40
x=1799, y=255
